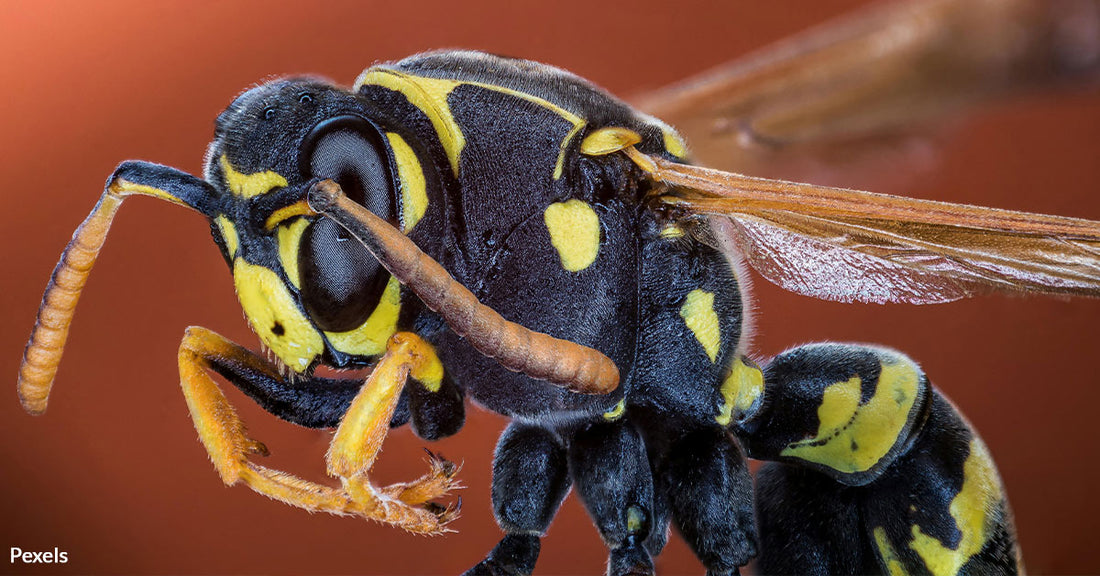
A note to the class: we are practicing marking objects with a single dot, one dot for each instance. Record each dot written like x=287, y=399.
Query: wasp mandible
x=466, y=224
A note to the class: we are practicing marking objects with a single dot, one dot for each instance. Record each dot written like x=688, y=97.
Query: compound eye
x=341, y=282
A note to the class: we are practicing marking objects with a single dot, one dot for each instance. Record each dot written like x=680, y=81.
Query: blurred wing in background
x=849, y=96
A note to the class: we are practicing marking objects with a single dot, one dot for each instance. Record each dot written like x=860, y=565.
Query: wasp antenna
x=47, y=342
x=561, y=362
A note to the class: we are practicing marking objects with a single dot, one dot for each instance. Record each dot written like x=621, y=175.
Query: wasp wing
x=854, y=246
x=852, y=93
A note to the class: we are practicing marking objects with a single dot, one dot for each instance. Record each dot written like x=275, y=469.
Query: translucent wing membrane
x=857, y=246
x=852, y=93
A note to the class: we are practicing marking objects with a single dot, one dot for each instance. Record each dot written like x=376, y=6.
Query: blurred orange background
x=114, y=475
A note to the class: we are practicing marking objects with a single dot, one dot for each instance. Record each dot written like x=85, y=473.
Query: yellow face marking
x=608, y=140
x=122, y=187
x=973, y=509
x=699, y=315
x=300, y=208
x=740, y=391
x=275, y=317
x=853, y=438
x=575, y=233
x=249, y=185
x=414, y=189
x=889, y=556
x=290, y=238
x=616, y=412
x=370, y=338
x=430, y=96
x=229, y=233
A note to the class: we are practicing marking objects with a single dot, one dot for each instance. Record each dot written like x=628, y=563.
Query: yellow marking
x=430, y=96
x=699, y=315
x=973, y=509
x=853, y=438
x=290, y=239
x=414, y=189
x=672, y=231
x=370, y=338
x=249, y=185
x=616, y=412
x=229, y=233
x=608, y=140
x=673, y=142
x=123, y=187
x=299, y=208
x=888, y=555
x=635, y=519
x=275, y=316
x=740, y=391
x=426, y=367
x=575, y=232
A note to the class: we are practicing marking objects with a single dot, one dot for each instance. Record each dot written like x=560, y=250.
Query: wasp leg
x=707, y=483
x=611, y=470
x=355, y=445
x=530, y=480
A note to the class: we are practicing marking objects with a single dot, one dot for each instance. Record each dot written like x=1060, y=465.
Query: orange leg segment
x=354, y=447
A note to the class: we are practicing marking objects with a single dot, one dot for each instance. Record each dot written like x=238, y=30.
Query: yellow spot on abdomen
x=414, y=189
x=369, y=339
x=249, y=185
x=575, y=232
x=853, y=438
x=699, y=315
x=973, y=509
x=274, y=315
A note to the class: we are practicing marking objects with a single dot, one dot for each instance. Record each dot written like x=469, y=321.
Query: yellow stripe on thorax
x=414, y=188
x=249, y=185
x=852, y=437
x=430, y=96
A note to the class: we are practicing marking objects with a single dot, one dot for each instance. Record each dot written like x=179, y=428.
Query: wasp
x=470, y=225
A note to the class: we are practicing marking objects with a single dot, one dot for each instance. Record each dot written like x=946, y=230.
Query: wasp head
x=301, y=280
